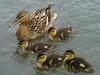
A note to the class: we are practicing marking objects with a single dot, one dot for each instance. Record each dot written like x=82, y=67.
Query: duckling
x=60, y=34
x=76, y=64
x=45, y=62
x=39, y=47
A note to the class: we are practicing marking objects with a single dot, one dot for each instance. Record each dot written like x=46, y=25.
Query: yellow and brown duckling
x=76, y=64
x=32, y=26
x=60, y=34
x=45, y=62
x=39, y=47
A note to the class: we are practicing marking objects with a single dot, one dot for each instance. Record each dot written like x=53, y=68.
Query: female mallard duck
x=76, y=64
x=45, y=62
x=32, y=26
x=60, y=34
x=39, y=47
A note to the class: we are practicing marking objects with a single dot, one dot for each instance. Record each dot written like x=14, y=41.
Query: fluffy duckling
x=60, y=34
x=45, y=62
x=39, y=47
x=76, y=64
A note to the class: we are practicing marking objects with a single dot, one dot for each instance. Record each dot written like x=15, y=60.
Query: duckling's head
x=41, y=58
x=23, y=44
x=52, y=31
x=22, y=18
x=69, y=54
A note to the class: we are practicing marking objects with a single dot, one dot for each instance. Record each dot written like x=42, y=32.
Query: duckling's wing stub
x=54, y=60
x=80, y=64
x=63, y=33
x=40, y=47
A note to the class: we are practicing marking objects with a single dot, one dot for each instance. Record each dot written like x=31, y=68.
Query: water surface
x=82, y=15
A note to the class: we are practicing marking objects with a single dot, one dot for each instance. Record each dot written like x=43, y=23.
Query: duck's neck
x=23, y=29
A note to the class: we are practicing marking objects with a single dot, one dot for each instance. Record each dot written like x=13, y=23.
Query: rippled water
x=82, y=15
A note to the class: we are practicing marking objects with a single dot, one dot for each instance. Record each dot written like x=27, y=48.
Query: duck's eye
x=22, y=15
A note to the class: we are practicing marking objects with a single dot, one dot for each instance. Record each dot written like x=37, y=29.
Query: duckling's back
x=54, y=60
x=79, y=65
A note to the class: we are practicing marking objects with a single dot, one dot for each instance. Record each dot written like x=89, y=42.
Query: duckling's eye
x=42, y=57
x=69, y=55
x=53, y=30
x=22, y=43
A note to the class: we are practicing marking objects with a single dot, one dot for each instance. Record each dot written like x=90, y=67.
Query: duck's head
x=52, y=32
x=41, y=58
x=69, y=54
x=22, y=18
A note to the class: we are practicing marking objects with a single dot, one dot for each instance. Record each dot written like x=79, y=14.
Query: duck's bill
x=16, y=22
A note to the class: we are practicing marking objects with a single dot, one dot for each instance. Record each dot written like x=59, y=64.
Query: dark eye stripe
x=41, y=57
x=22, y=15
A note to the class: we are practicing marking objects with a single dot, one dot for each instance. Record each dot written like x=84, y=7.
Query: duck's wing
x=47, y=10
x=41, y=21
x=39, y=24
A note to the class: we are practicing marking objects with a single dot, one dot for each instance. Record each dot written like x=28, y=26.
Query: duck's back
x=40, y=21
